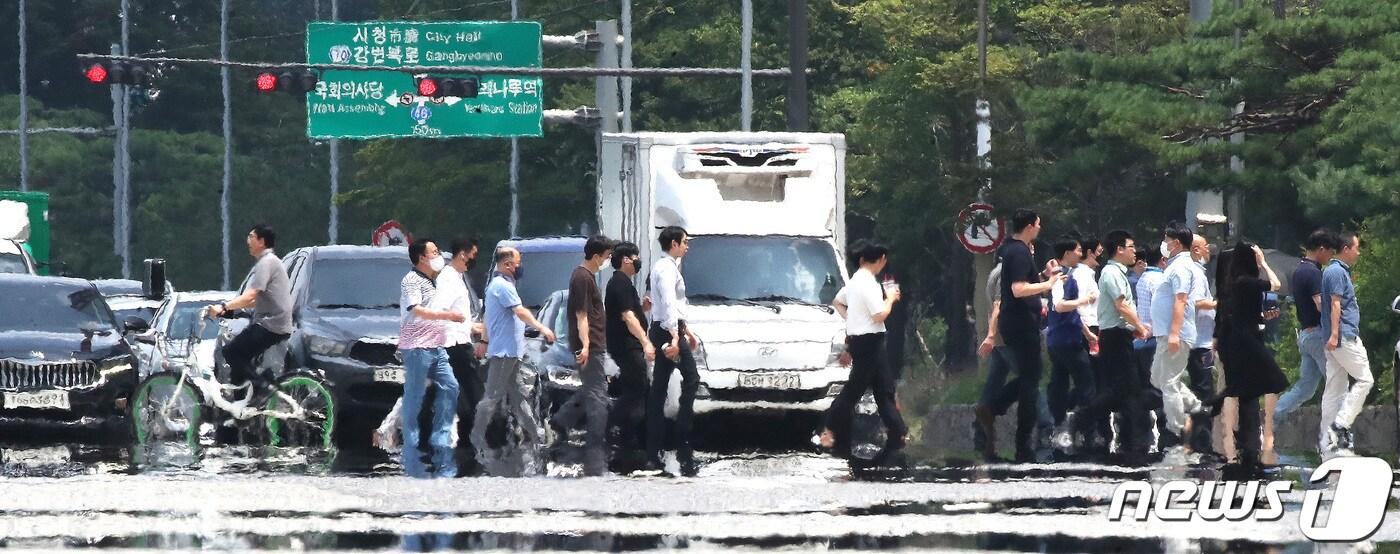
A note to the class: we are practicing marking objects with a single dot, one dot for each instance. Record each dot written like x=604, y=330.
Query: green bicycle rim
x=274, y=425
x=191, y=436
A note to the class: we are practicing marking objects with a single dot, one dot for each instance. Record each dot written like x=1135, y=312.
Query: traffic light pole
x=23, y=101
x=514, y=157
x=125, y=139
x=334, y=225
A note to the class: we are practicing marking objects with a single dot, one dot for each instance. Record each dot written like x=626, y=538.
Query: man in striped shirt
x=421, y=339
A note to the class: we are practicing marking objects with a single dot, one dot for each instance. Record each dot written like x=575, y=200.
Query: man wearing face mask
x=587, y=338
x=630, y=349
x=454, y=294
x=507, y=388
x=421, y=337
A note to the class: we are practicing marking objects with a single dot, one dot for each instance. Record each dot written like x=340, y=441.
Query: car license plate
x=779, y=381
x=49, y=399
x=388, y=375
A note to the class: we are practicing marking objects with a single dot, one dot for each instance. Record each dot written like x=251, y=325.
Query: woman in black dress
x=1250, y=369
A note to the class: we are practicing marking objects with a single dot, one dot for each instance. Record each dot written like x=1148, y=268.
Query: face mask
x=637, y=265
x=519, y=271
x=1166, y=252
x=437, y=263
x=471, y=264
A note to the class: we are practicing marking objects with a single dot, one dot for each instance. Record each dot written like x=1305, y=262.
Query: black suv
x=346, y=324
x=62, y=356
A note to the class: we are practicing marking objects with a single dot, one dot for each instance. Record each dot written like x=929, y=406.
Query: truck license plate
x=780, y=381
x=389, y=375
x=49, y=400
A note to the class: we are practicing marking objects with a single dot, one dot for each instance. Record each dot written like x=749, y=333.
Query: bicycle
x=170, y=405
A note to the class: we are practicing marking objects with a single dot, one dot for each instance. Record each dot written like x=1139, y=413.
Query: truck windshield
x=357, y=283
x=54, y=308
x=764, y=268
x=545, y=273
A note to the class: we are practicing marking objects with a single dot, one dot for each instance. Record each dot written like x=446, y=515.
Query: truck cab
x=15, y=259
x=765, y=213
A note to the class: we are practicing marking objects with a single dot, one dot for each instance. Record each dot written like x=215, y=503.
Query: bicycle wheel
x=165, y=410
x=318, y=404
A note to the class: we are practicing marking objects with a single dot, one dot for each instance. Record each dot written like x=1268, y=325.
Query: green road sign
x=375, y=104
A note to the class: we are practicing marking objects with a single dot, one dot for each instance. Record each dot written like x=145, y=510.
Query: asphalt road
x=67, y=496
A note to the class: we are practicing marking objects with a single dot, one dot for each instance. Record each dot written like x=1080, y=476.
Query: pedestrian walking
x=1068, y=335
x=1175, y=331
x=588, y=342
x=999, y=394
x=1306, y=289
x=673, y=340
x=507, y=388
x=1250, y=369
x=421, y=339
x=1022, y=286
x=865, y=304
x=1200, y=365
x=631, y=350
x=1118, y=326
x=1348, y=367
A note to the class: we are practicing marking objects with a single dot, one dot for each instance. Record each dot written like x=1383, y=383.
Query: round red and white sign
x=391, y=233
x=980, y=231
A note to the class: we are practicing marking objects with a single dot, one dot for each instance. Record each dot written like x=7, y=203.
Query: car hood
x=747, y=338
x=39, y=347
x=352, y=324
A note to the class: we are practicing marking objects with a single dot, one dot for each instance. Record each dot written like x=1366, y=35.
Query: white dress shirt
x=453, y=295
x=864, y=297
x=668, y=303
x=1083, y=276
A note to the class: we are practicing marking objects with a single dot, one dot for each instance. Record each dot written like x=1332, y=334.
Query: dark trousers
x=249, y=344
x=1247, y=434
x=1025, y=354
x=1069, y=363
x=628, y=416
x=1123, y=393
x=656, y=397
x=590, y=404
x=1201, y=380
x=868, y=372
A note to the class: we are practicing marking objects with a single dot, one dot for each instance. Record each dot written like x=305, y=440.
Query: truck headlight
x=327, y=347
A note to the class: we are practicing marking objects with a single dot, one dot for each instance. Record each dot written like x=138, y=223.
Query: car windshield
x=54, y=307
x=186, y=315
x=357, y=283
x=545, y=273
x=13, y=263
x=762, y=268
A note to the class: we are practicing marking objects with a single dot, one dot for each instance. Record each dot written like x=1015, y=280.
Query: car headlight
x=702, y=358
x=327, y=347
x=563, y=376
x=838, y=347
x=114, y=366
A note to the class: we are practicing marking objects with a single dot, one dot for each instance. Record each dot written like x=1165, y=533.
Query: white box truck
x=766, y=217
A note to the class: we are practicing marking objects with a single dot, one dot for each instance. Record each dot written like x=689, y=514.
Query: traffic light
x=446, y=87
x=293, y=81
x=118, y=73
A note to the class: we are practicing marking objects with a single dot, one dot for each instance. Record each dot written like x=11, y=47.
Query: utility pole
x=627, y=64
x=514, y=157
x=117, y=162
x=333, y=228
x=228, y=144
x=746, y=64
x=798, y=119
x=1201, y=201
x=23, y=100
x=982, y=263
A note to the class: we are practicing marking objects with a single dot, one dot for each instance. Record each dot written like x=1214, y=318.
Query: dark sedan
x=62, y=357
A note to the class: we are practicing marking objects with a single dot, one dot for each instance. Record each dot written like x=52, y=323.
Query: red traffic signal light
x=118, y=73
x=427, y=86
x=296, y=82
x=447, y=87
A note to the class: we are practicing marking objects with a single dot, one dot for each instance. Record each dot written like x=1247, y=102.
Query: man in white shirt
x=674, y=344
x=1085, y=275
x=865, y=306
